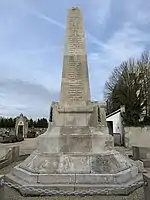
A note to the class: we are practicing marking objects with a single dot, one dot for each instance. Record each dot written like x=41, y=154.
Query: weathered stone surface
x=74, y=152
x=75, y=81
x=140, y=166
x=135, y=195
x=2, y=192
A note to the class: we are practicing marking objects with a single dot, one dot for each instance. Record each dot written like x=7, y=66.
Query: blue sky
x=32, y=34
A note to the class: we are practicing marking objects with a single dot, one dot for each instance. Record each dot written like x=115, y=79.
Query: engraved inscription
x=75, y=90
x=75, y=35
x=75, y=85
x=75, y=77
x=74, y=71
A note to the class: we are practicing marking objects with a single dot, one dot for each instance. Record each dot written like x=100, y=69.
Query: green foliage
x=30, y=123
x=146, y=120
x=10, y=123
x=7, y=123
x=41, y=123
x=129, y=85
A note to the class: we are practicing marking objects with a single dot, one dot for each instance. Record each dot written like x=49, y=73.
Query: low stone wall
x=3, y=152
x=2, y=196
x=147, y=186
x=137, y=136
x=11, y=156
x=138, y=139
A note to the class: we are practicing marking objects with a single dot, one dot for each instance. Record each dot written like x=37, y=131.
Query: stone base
x=64, y=185
x=77, y=159
x=135, y=195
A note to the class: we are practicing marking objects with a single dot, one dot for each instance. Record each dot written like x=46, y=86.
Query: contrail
x=49, y=20
x=95, y=40
x=52, y=21
x=91, y=37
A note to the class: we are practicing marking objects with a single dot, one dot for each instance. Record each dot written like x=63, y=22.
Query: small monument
x=21, y=126
x=75, y=153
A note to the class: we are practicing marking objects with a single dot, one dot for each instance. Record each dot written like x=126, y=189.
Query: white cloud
x=24, y=52
x=52, y=21
x=103, y=11
x=99, y=10
x=137, y=11
x=31, y=50
x=125, y=43
x=31, y=99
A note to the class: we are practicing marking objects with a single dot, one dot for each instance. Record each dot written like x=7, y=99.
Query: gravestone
x=74, y=153
x=21, y=126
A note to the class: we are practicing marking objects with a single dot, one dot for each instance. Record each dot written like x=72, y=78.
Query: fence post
x=146, y=178
x=136, y=153
x=15, y=153
x=2, y=195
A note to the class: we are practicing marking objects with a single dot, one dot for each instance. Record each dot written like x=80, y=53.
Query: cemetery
x=75, y=157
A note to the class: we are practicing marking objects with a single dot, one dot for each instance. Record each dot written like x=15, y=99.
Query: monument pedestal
x=77, y=159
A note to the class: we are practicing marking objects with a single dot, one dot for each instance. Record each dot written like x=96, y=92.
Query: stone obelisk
x=74, y=154
x=75, y=81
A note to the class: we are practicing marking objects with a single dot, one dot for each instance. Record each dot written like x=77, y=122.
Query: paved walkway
x=26, y=146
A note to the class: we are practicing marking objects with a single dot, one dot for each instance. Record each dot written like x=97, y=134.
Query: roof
x=113, y=113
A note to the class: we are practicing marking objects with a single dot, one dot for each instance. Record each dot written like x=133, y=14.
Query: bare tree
x=129, y=85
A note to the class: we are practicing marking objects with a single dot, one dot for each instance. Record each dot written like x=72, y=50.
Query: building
x=115, y=125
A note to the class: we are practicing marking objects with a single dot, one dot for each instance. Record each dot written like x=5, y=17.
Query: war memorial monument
x=75, y=154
